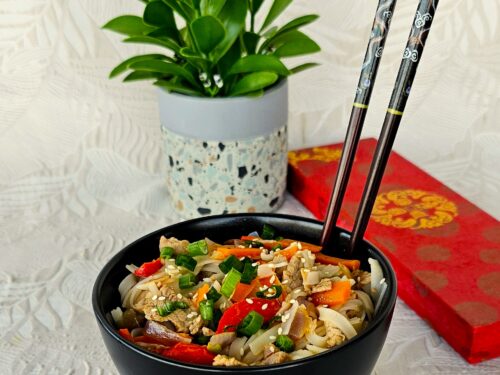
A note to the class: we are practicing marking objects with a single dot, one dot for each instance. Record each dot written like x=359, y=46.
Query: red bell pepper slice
x=191, y=353
x=148, y=268
x=233, y=316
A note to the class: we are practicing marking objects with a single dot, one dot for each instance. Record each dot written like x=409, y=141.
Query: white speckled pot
x=225, y=155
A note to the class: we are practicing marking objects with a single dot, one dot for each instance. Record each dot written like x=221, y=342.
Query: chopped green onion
x=198, y=248
x=166, y=252
x=186, y=261
x=284, y=343
x=213, y=294
x=187, y=281
x=274, y=291
x=250, y=243
x=232, y=279
x=201, y=340
x=215, y=321
x=214, y=348
x=279, y=238
x=277, y=247
x=268, y=232
x=250, y=324
x=170, y=306
x=207, y=309
x=249, y=273
x=231, y=262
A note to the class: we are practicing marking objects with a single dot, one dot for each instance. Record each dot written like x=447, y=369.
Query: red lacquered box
x=445, y=250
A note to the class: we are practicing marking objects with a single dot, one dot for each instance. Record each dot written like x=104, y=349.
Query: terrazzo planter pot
x=225, y=155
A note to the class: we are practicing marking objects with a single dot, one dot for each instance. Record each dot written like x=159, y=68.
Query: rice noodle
x=298, y=354
x=367, y=302
x=126, y=284
x=290, y=314
x=338, y=320
x=314, y=338
x=315, y=349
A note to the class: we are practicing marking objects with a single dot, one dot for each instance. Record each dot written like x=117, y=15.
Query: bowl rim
x=100, y=315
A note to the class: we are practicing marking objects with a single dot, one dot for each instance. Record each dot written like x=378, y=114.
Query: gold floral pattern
x=413, y=209
x=324, y=154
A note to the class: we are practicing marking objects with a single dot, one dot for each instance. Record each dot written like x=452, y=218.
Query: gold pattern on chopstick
x=323, y=154
x=395, y=112
x=413, y=209
x=360, y=105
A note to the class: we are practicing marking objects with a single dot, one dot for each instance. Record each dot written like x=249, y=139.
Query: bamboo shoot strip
x=411, y=57
x=369, y=69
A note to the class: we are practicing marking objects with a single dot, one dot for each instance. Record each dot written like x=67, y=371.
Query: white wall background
x=60, y=115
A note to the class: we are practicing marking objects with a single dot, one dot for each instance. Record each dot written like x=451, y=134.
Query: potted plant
x=223, y=97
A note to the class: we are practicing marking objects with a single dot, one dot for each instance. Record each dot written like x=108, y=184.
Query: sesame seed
x=154, y=309
x=306, y=270
x=299, y=245
x=242, y=258
x=194, y=313
x=158, y=284
x=155, y=297
x=271, y=349
x=264, y=306
x=272, y=337
x=179, y=296
x=271, y=280
x=280, y=331
x=261, y=248
x=241, y=246
x=195, y=295
x=242, y=351
x=189, y=316
x=382, y=281
x=285, y=281
x=161, y=298
x=249, y=301
x=223, y=305
x=302, y=260
x=205, y=297
x=255, y=264
x=292, y=301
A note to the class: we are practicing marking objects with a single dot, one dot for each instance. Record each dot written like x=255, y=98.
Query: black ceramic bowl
x=356, y=356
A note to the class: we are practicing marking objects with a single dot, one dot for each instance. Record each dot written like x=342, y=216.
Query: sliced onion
x=237, y=347
x=136, y=332
x=126, y=284
x=311, y=277
x=265, y=270
x=380, y=297
x=376, y=277
x=268, y=337
x=290, y=317
x=316, y=339
x=212, y=267
x=338, y=320
x=367, y=301
x=117, y=315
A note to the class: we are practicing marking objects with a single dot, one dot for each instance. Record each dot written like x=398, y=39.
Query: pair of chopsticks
x=404, y=81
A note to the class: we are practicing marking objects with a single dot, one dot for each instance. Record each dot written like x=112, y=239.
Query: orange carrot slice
x=223, y=252
x=200, y=294
x=334, y=297
x=352, y=264
x=243, y=290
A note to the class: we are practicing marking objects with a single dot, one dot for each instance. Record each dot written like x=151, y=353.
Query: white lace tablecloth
x=81, y=169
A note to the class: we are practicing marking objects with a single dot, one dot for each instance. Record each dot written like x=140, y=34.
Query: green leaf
x=163, y=42
x=253, y=82
x=303, y=67
x=177, y=87
x=299, y=22
x=211, y=7
x=136, y=76
x=259, y=63
x=193, y=58
x=255, y=5
x=232, y=16
x=276, y=9
x=165, y=32
x=181, y=9
x=297, y=44
x=128, y=25
x=164, y=68
x=250, y=40
x=207, y=32
x=157, y=13
x=123, y=66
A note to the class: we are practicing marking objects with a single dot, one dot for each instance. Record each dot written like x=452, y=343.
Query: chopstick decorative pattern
x=374, y=51
x=411, y=56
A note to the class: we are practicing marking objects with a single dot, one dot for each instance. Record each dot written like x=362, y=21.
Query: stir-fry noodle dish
x=257, y=300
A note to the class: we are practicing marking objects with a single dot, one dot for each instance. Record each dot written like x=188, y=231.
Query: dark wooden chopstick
x=373, y=55
x=404, y=81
